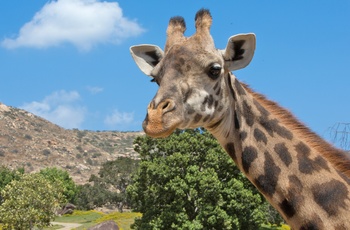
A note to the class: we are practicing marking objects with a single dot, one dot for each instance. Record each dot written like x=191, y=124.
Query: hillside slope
x=34, y=143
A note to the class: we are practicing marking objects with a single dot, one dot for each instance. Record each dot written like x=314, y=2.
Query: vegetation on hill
x=33, y=143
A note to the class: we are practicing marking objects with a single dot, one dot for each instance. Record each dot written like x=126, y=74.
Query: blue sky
x=69, y=62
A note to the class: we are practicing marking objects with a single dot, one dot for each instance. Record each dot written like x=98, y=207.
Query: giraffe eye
x=214, y=71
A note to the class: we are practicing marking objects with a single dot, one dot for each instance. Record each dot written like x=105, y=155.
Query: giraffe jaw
x=159, y=125
x=157, y=130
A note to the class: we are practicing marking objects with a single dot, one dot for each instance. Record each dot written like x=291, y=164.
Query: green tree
x=109, y=186
x=7, y=175
x=186, y=181
x=55, y=175
x=30, y=201
x=117, y=174
x=91, y=196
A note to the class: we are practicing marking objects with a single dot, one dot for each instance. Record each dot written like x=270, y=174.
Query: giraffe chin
x=155, y=133
x=158, y=129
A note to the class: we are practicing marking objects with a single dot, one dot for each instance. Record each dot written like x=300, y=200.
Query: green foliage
x=118, y=173
x=187, y=181
x=30, y=201
x=55, y=175
x=109, y=186
x=93, y=196
x=7, y=175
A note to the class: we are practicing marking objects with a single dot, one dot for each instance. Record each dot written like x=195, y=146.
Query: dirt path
x=66, y=226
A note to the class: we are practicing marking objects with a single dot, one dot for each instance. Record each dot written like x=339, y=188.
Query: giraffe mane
x=338, y=158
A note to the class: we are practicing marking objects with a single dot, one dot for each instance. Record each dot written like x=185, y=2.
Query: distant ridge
x=32, y=142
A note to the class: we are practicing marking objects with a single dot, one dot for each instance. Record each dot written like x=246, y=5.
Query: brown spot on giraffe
x=249, y=154
x=314, y=223
x=272, y=126
x=260, y=136
x=293, y=200
x=331, y=196
x=248, y=114
x=230, y=149
x=283, y=153
x=301, y=175
x=307, y=165
x=267, y=182
x=243, y=135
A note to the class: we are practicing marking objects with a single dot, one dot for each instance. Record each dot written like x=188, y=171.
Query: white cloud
x=83, y=23
x=119, y=119
x=94, y=89
x=60, y=107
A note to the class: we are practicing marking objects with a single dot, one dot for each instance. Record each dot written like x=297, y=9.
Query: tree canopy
x=55, y=175
x=109, y=186
x=29, y=201
x=187, y=181
x=117, y=174
x=6, y=176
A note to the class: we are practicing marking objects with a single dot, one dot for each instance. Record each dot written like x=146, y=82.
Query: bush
x=46, y=152
x=30, y=201
x=62, y=177
x=187, y=181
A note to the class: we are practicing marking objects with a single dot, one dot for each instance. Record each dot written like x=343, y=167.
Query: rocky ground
x=34, y=143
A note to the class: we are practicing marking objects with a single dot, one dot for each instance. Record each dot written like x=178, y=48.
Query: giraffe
x=305, y=178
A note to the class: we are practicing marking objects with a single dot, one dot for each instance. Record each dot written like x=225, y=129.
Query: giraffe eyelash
x=154, y=81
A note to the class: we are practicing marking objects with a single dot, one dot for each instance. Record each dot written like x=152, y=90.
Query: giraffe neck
x=286, y=161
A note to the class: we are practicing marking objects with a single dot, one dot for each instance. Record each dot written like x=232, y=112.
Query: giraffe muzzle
x=160, y=121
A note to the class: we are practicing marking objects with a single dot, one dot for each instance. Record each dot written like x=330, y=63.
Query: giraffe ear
x=146, y=57
x=239, y=51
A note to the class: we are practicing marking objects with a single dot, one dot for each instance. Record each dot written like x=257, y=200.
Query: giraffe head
x=191, y=74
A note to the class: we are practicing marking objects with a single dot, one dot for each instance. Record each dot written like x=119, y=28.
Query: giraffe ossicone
x=301, y=175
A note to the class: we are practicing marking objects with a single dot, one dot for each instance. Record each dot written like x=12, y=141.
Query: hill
x=34, y=143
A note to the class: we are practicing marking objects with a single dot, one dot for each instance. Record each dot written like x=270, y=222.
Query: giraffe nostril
x=162, y=107
x=166, y=104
